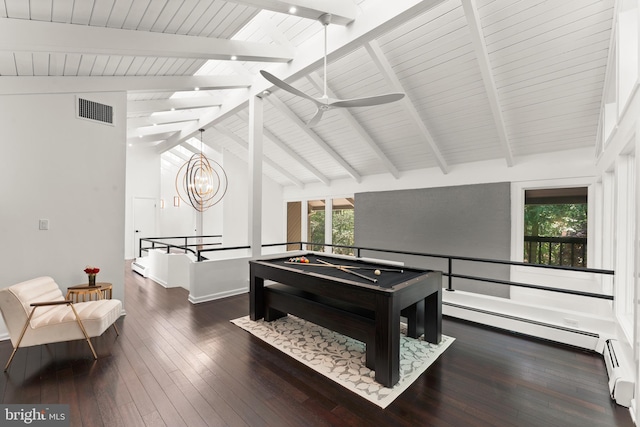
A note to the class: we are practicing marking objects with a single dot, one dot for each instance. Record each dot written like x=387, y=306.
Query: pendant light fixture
x=201, y=182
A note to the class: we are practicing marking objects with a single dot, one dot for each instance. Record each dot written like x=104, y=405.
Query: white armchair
x=36, y=312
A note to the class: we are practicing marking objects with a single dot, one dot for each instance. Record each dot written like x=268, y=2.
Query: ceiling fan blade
x=368, y=101
x=315, y=119
x=285, y=86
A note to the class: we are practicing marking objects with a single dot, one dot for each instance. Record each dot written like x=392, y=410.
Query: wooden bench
x=338, y=316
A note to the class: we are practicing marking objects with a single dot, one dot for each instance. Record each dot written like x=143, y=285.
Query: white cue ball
x=377, y=272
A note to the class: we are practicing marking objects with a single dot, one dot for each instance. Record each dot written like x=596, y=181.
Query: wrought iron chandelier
x=201, y=182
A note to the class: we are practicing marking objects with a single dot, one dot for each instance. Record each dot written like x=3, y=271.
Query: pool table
x=384, y=289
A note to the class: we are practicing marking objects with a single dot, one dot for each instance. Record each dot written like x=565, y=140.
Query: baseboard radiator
x=621, y=383
x=140, y=269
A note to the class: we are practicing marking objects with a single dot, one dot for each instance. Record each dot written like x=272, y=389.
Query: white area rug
x=342, y=359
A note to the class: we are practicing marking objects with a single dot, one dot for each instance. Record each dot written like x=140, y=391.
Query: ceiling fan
x=325, y=103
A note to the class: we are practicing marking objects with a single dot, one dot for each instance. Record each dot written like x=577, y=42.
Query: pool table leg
x=272, y=314
x=387, y=346
x=256, y=297
x=433, y=317
x=415, y=319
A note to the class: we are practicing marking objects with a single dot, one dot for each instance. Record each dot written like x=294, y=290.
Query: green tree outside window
x=555, y=227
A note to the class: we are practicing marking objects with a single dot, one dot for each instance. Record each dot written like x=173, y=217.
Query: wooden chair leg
x=115, y=327
x=24, y=329
x=84, y=331
x=13, y=353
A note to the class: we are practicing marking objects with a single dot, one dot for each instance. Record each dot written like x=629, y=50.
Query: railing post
x=450, y=285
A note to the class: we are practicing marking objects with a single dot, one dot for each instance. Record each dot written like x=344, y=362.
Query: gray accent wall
x=467, y=220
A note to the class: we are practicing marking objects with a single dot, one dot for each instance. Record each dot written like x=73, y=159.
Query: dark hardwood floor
x=178, y=364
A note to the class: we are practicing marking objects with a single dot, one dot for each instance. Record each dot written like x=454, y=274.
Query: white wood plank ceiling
x=484, y=79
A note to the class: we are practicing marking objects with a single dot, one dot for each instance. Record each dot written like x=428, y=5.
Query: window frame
x=549, y=198
x=328, y=206
x=517, y=212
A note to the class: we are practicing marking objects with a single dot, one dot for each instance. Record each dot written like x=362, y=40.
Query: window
x=294, y=224
x=321, y=222
x=316, y=224
x=342, y=225
x=555, y=226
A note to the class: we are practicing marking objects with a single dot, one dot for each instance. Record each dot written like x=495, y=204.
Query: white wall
x=273, y=215
x=169, y=270
x=617, y=164
x=174, y=221
x=67, y=170
x=149, y=175
x=566, y=164
x=236, y=206
x=549, y=169
x=235, y=231
x=142, y=180
x=215, y=279
x=618, y=175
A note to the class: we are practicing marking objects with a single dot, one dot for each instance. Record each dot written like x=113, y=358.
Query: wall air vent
x=94, y=111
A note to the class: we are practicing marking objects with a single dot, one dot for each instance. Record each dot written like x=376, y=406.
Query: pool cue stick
x=392, y=270
x=309, y=263
x=346, y=270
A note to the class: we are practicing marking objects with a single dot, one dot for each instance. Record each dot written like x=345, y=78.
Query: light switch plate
x=44, y=224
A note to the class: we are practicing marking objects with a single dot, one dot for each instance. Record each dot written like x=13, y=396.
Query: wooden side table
x=84, y=292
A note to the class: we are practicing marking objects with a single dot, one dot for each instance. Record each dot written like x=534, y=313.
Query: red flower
x=92, y=270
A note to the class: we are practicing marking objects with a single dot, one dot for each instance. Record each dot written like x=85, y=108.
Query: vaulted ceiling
x=484, y=79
